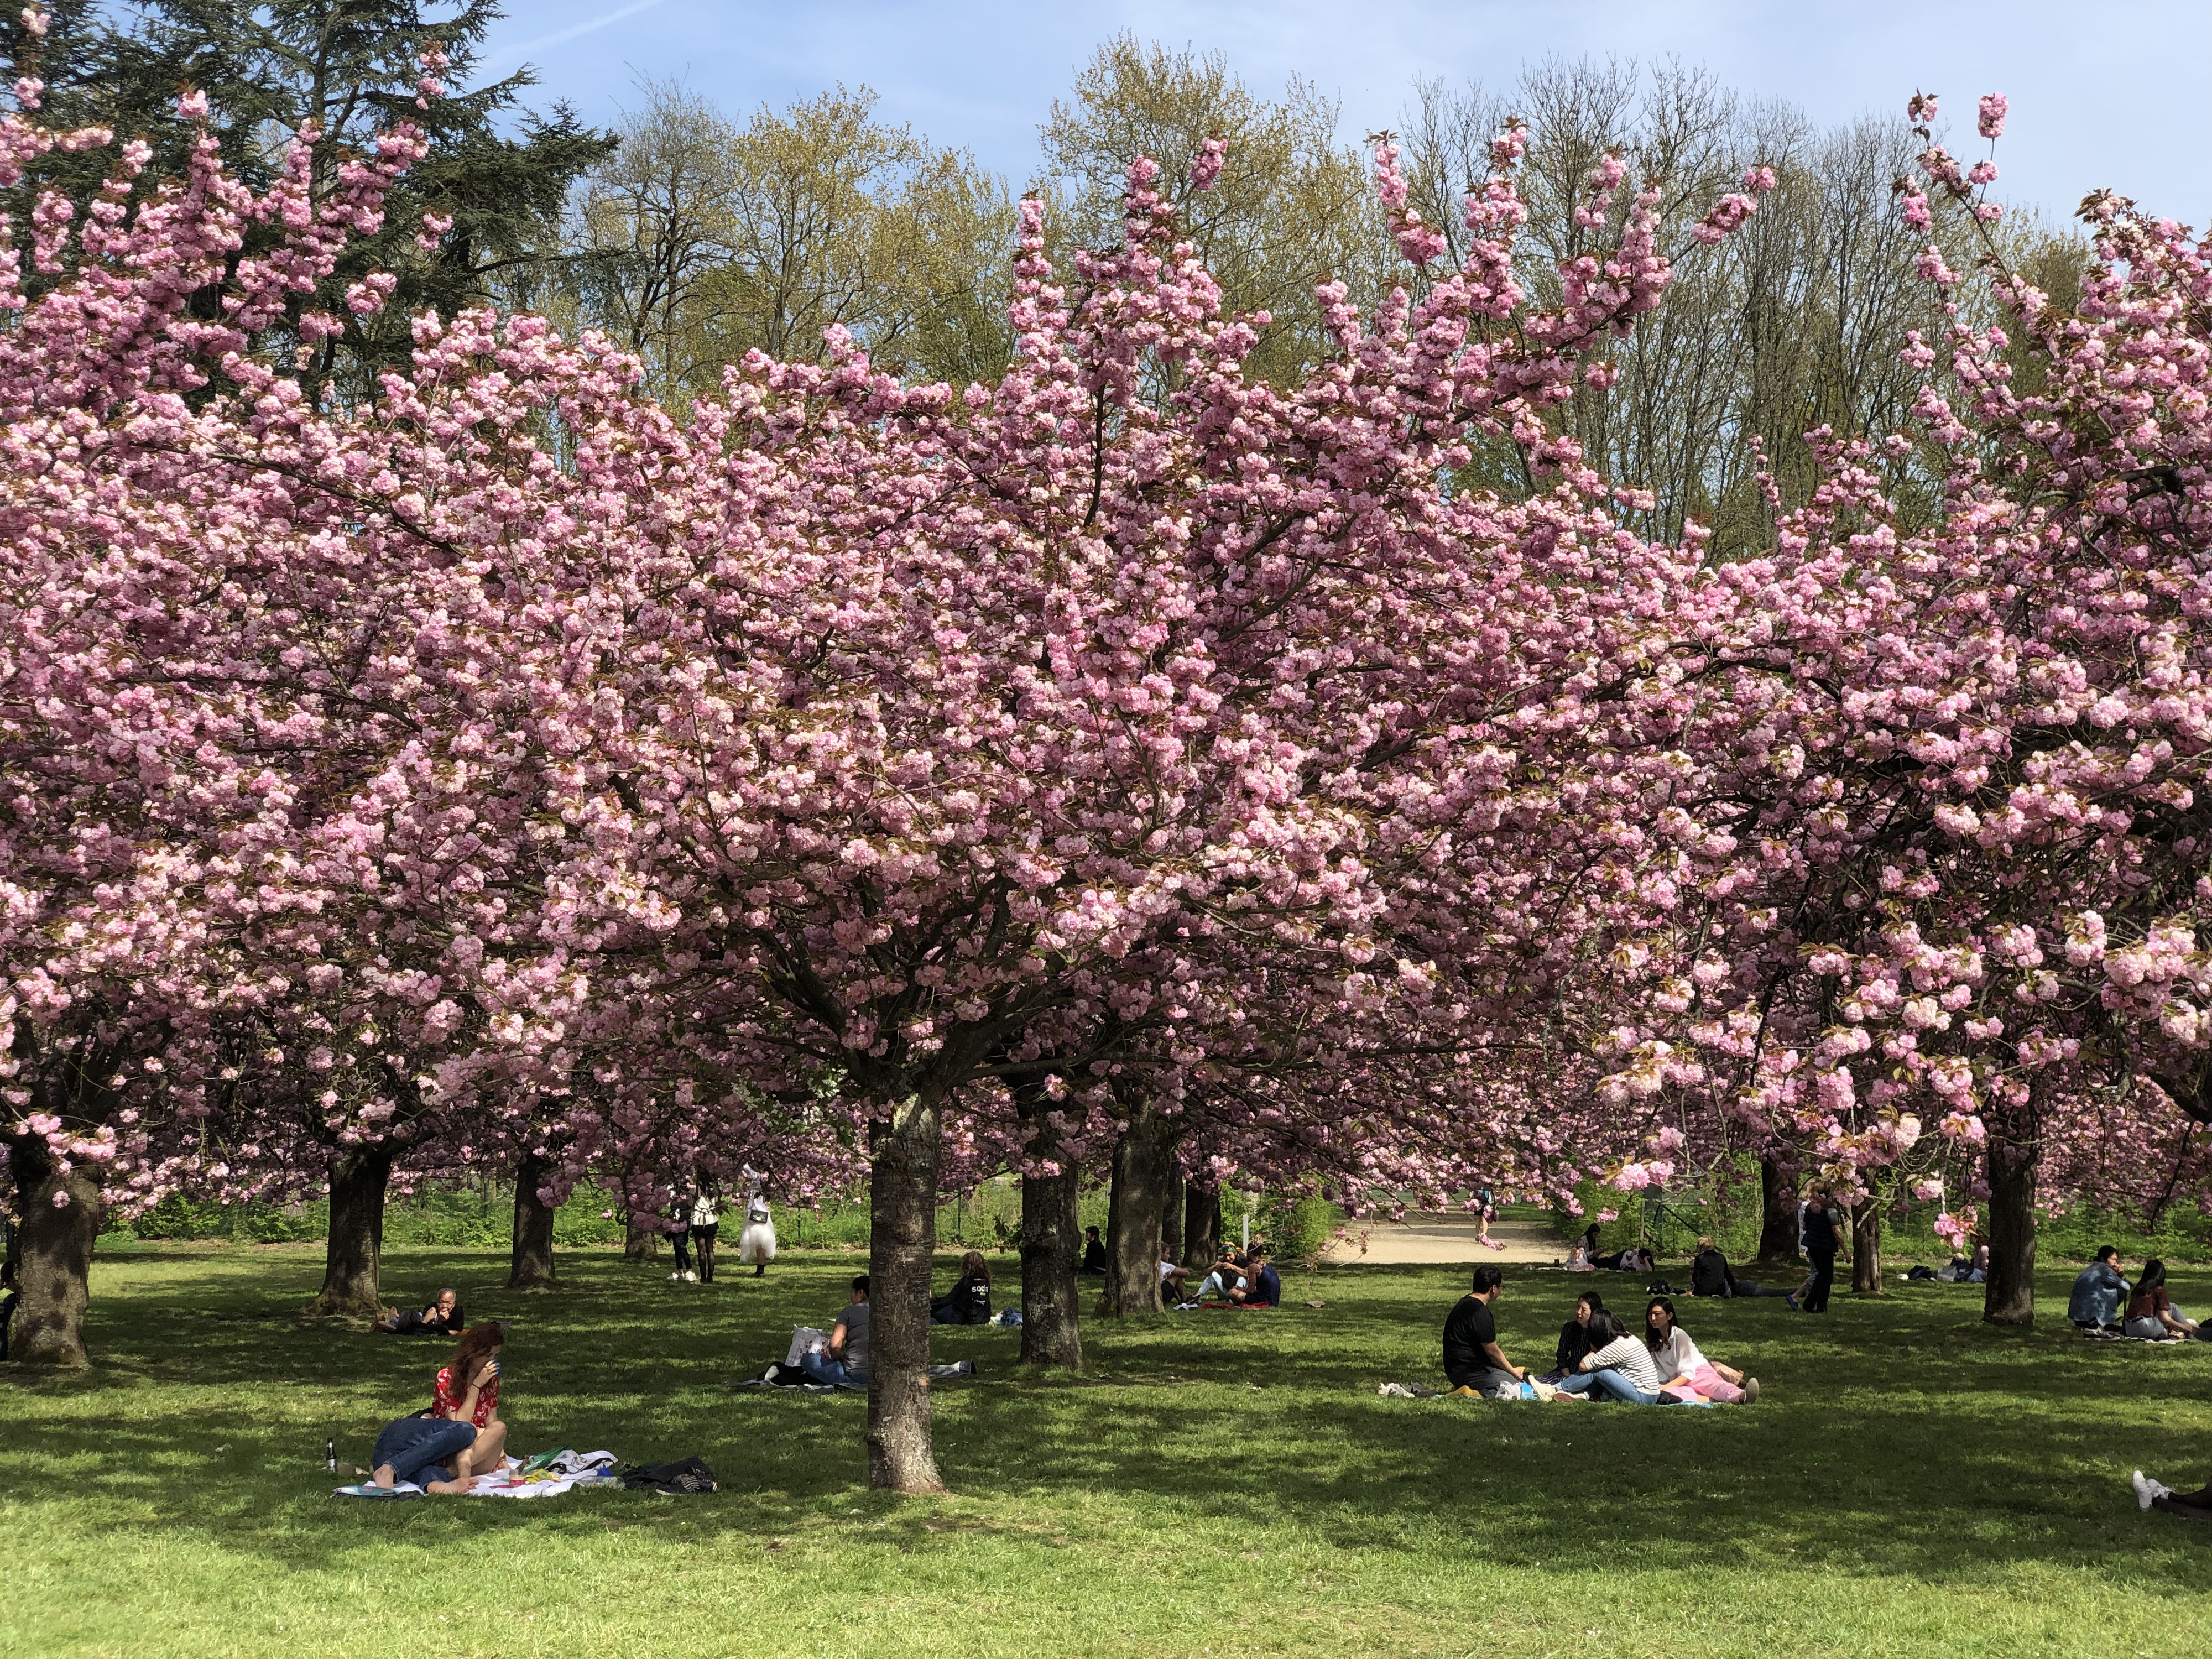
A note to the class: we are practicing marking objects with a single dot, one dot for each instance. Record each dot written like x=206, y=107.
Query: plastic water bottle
x=329, y=1454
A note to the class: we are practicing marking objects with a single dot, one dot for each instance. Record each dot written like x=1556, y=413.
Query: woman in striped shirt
x=1618, y=1365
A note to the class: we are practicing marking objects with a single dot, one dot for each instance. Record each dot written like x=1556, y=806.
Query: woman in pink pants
x=1686, y=1371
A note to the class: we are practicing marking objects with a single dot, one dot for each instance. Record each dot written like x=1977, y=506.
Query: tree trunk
x=2010, y=1296
x=1866, y=1246
x=1052, y=1249
x=904, y=1157
x=533, y=1262
x=54, y=1257
x=1174, y=1196
x=1133, y=1218
x=1202, y=1226
x=353, y=1258
x=640, y=1242
x=1777, y=1217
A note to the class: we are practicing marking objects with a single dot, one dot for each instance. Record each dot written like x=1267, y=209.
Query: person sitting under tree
x=1582, y=1258
x=461, y=1436
x=1574, y=1337
x=1228, y=1281
x=845, y=1365
x=467, y=1387
x=1682, y=1368
x=2099, y=1288
x=968, y=1301
x=1617, y=1364
x=1710, y=1275
x=1094, y=1252
x=1474, y=1363
x=2152, y=1316
x=1265, y=1287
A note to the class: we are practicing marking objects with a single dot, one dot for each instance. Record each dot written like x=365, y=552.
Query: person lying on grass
x=467, y=1389
x=1474, y=1363
x=438, y=1455
x=2157, y=1495
x=2152, y=1316
x=1682, y=1369
x=441, y=1318
x=1618, y=1366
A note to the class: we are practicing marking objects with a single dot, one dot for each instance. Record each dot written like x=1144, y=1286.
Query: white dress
x=756, y=1244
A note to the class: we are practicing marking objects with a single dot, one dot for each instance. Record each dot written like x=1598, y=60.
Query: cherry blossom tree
x=1940, y=829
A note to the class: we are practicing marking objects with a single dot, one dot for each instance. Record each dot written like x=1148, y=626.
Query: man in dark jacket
x=1710, y=1275
x=1824, y=1242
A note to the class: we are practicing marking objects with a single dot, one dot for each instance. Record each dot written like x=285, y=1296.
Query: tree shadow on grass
x=1898, y=1437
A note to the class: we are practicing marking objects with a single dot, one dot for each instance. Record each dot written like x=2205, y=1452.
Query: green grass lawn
x=1219, y=1483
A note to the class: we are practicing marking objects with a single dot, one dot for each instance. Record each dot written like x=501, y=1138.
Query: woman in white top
x=1682, y=1369
x=756, y=1244
x=704, y=1224
x=1619, y=1366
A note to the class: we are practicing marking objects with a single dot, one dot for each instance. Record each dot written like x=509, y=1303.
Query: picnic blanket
x=548, y=1474
x=792, y=1379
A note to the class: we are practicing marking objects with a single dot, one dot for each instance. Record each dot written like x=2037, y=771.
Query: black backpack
x=690, y=1475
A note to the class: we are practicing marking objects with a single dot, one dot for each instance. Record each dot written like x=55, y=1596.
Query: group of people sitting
x=461, y=1436
x=1243, y=1279
x=1598, y=1355
x=2105, y=1306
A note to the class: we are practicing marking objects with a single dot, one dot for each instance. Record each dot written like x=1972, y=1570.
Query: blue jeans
x=820, y=1368
x=1612, y=1383
x=418, y=1448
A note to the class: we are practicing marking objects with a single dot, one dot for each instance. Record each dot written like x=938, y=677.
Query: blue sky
x=2112, y=94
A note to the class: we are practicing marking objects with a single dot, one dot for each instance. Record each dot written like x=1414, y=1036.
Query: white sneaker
x=690, y=1278
x=2146, y=1489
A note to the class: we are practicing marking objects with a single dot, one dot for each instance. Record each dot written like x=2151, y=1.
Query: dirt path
x=1454, y=1236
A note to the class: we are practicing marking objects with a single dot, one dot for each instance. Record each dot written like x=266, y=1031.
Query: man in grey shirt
x=846, y=1364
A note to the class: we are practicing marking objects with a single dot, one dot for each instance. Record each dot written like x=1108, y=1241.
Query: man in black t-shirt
x=1472, y=1359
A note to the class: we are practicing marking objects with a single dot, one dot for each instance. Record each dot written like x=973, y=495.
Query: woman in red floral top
x=468, y=1386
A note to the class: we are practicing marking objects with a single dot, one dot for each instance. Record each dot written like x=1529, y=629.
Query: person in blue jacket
x=2095, y=1303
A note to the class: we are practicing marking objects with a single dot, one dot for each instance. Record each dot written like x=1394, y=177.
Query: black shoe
x=761, y=1271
